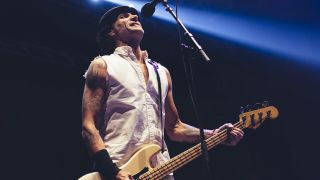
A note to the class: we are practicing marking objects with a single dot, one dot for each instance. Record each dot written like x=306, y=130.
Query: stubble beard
x=135, y=34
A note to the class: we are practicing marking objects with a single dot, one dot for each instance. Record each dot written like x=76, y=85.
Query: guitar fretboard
x=185, y=157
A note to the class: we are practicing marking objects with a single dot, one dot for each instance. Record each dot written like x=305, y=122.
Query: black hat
x=108, y=18
x=105, y=25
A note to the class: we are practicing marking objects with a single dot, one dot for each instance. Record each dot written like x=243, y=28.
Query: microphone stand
x=199, y=49
x=186, y=32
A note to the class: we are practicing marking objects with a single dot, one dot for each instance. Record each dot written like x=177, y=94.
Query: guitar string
x=195, y=152
x=173, y=163
x=187, y=156
x=177, y=161
x=185, y=159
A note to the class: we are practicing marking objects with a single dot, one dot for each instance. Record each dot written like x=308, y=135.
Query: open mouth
x=135, y=24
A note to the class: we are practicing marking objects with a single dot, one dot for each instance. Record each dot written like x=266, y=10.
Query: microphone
x=148, y=9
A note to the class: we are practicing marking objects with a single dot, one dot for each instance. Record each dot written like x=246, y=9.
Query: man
x=121, y=102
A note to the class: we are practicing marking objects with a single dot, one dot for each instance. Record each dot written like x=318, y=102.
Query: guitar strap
x=156, y=67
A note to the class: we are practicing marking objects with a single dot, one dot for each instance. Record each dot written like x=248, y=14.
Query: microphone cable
x=193, y=95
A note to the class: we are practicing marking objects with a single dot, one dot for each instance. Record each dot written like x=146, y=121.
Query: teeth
x=135, y=24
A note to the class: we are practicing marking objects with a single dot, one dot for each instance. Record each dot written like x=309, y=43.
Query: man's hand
x=234, y=134
x=123, y=175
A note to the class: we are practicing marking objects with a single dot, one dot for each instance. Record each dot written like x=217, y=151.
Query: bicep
x=92, y=102
x=94, y=92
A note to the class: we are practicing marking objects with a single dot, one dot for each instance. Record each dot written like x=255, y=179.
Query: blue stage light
x=293, y=41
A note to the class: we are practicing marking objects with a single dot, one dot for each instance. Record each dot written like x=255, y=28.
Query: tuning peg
x=260, y=116
x=265, y=104
x=268, y=114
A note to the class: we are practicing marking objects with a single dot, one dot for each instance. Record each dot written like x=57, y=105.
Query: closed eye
x=124, y=15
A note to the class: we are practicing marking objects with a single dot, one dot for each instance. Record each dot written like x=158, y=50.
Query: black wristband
x=104, y=164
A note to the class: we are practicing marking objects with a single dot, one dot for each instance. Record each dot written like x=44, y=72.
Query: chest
x=131, y=76
x=134, y=82
x=145, y=72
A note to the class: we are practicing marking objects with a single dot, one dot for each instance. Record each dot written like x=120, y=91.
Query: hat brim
x=108, y=18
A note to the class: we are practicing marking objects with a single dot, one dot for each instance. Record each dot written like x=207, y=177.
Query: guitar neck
x=186, y=157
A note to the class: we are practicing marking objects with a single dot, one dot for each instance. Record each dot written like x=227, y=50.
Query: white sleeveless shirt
x=132, y=117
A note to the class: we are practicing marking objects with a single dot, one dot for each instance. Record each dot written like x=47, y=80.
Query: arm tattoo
x=92, y=104
x=94, y=96
x=96, y=76
x=89, y=137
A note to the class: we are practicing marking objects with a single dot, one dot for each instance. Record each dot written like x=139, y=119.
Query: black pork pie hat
x=105, y=25
x=108, y=18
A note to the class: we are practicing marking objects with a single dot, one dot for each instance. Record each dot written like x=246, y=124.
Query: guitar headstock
x=254, y=118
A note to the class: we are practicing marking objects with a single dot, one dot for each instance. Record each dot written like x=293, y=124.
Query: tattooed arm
x=92, y=110
x=179, y=131
x=92, y=103
x=176, y=129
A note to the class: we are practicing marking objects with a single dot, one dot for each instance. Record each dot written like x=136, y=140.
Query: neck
x=138, y=53
x=135, y=49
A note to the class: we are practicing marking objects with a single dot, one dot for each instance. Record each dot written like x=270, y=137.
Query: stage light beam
x=292, y=41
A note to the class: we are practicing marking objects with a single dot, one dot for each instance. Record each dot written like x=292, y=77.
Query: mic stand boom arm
x=191, y=86
x=186, y=32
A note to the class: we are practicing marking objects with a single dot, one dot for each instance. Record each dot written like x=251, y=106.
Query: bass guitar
x=139, y=163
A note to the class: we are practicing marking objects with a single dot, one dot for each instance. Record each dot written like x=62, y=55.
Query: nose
x=134, y=17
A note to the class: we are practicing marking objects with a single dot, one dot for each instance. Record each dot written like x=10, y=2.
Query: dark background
x=46, y=46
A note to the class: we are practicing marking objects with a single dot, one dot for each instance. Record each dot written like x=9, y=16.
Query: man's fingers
x=234, y=134
x=227, y=126
x=123, y=175
x=238, y=131
x=130, y=176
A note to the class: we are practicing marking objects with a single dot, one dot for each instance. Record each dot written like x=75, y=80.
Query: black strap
x=156, y=67
x=105, y=165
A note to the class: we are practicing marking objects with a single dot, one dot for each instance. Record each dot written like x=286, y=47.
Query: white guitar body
x=139, y=162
